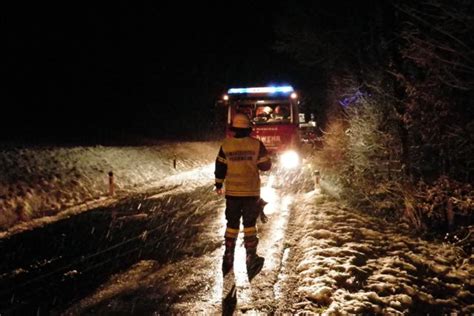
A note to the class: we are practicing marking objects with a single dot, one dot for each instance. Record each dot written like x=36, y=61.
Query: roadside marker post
x=317, y=178
x=111, y=184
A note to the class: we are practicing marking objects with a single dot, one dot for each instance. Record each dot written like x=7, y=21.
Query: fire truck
x=274, y=114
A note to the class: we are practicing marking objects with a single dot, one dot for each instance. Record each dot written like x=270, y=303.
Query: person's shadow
x=229, y=294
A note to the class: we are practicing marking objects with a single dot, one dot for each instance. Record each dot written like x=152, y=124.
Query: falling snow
x=320, y=256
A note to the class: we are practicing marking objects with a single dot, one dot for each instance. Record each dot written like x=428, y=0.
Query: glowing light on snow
x=270, y=243
x=286, y=202
x=269, y=194
x=271, y=180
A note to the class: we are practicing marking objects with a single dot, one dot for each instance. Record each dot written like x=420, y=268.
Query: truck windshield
x=272, y=114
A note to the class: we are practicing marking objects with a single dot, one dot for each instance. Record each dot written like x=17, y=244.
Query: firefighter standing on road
x=237, y=166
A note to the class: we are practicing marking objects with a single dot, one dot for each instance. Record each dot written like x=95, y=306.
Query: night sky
x=95, y=72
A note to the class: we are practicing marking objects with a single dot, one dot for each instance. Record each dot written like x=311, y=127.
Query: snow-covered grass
x=38, y=182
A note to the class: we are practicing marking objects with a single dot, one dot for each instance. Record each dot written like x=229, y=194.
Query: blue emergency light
x=281, y=89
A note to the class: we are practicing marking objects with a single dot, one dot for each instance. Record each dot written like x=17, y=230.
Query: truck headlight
x=289, y=159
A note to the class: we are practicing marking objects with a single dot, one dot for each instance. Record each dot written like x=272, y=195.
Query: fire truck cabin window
x=272, y=114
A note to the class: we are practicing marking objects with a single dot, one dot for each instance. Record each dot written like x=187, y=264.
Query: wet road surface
x=156, y=252
x=47, y=268
x=193, y=282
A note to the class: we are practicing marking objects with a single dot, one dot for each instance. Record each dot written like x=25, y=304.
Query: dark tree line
x=398, y=112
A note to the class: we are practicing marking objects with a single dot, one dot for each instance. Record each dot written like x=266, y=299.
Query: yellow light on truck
x=226, y=97
x=293, y=95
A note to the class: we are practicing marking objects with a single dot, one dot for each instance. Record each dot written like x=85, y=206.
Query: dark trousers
x=241, y=207
x=247, y=209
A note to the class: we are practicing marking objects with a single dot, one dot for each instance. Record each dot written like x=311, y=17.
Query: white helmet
x=241, y=120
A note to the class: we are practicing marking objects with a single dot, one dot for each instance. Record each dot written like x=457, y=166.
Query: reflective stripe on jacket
x=238, y=164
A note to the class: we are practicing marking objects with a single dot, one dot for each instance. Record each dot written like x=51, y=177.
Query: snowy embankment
x=345, y=262
x=39, y=182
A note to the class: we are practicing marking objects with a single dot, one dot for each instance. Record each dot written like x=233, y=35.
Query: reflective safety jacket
x=238, y=164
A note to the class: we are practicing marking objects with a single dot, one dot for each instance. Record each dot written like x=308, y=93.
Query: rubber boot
x=253, y=261
x=228, y=259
